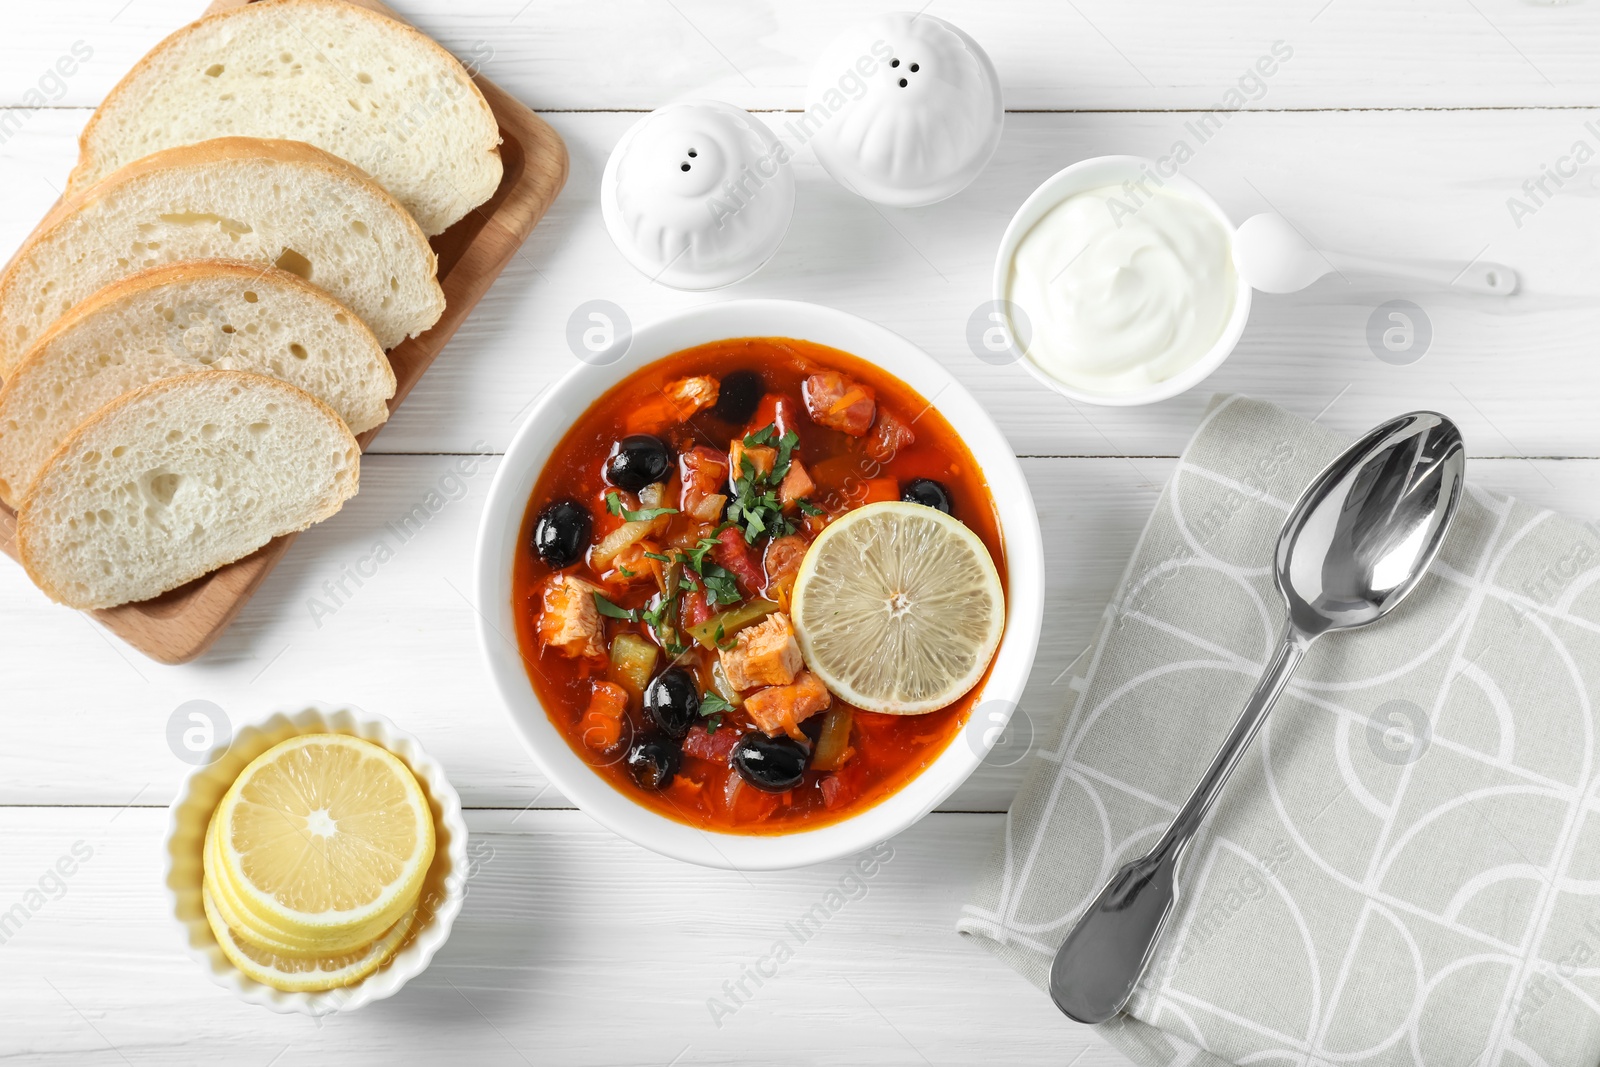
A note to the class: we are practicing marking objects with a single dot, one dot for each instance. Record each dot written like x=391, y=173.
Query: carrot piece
x=879, y=489
x=601, y=725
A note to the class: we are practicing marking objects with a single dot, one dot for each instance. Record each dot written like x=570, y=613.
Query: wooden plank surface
x=573, y=947
x=1404, y=183
x=1394, y=129
x=1096, y=54
x=403, y=643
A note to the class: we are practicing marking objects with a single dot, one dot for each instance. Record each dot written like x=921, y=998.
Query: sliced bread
x=178, y=478
x=186, y=318
x=351, y=81
x=259, y=202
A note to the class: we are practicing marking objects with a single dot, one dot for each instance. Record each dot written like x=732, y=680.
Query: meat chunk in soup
x=692, y=395
x=839, y=402
x=764, y=654
x=569, y=621
x=889, y=436
x=760, y=459
x=782, y=708
x=796, y=484
x=782, y=557
x=704, y=474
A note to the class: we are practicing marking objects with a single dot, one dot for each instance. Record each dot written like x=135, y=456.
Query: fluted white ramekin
x=197, y=798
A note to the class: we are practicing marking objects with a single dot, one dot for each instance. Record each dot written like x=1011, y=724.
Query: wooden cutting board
x=178, y=626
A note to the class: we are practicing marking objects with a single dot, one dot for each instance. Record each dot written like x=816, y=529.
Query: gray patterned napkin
x=1405, y=869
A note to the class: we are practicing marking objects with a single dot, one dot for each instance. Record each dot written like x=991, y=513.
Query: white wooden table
x=1388, y=131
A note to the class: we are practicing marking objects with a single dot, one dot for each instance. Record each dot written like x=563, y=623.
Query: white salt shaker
x=698, y=195
x=903, y=109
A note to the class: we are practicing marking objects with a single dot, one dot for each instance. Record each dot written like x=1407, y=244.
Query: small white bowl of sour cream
x=1117, y=283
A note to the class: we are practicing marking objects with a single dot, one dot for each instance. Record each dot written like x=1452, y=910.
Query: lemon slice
x=898, y=608
x=301, y=974
x=252, y=931
x=324, y=838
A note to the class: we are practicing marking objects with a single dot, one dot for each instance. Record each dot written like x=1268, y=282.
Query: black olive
x=812, y=728
x=672, y=701
x=928, y=493
x=738, y=396
x=561, y=535
x=771, y=764
x=638, y=460
x=653, y=761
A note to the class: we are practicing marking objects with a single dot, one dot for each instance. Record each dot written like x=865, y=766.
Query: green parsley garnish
x=614, y=505
x=720, y=587
x=755, y=509
x=763, y=437
x=808, y=507
x=611, y=611
x=714, y=703
x=695, y=557
x=786, y=446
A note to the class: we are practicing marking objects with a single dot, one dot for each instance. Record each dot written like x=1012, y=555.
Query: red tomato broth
x=890, y=750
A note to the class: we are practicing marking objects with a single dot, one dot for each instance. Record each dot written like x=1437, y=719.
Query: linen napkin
x=1405, y=868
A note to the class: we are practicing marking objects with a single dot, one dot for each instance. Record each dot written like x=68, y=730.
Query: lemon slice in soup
x=898, y=608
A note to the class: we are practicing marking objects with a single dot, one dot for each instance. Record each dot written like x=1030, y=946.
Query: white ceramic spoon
x=1272, y=257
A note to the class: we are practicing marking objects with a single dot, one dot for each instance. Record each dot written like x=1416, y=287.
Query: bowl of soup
x=689, y=580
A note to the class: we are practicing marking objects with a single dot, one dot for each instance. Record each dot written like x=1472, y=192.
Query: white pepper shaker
x=903, y=109
x=698, y=195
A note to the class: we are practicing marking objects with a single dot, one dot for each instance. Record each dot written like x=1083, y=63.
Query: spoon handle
x=1100, y=962
x=1486, y=279
x=1292, y=646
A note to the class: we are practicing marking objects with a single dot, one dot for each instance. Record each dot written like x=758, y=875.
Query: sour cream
x=1119, y=293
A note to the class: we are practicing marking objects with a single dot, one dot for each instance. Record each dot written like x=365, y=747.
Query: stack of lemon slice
x=314, y=862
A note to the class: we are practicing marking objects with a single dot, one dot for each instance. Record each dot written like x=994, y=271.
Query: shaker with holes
x=903, y=109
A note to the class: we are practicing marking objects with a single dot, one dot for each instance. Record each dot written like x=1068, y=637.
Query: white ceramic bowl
x=1096, y=173
x=499, y=542
x=197, y=798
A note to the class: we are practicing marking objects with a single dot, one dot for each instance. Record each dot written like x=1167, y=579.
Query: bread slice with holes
x=186, y=318
x=351, y=81
x=177, y=479
x=261, y=202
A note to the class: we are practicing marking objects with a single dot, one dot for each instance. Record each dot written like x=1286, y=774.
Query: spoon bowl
x=1365, y=531
x=1354, y=546
x=1271, y=256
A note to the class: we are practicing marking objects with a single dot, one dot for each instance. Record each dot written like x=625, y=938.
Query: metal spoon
x=1358, y=540
x=1273, y=257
